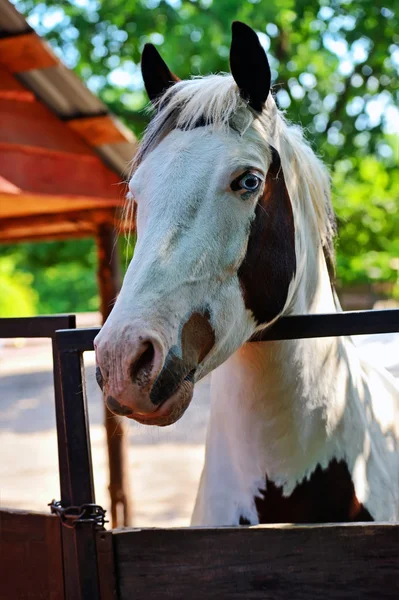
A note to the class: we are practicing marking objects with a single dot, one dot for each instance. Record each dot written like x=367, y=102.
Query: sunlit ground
x=165, y=464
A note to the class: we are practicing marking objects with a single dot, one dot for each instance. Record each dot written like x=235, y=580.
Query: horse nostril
x=140, y=370
x=99, y=378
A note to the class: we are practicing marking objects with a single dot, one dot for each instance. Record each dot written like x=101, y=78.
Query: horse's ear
x=249, y=66
x=156, y=74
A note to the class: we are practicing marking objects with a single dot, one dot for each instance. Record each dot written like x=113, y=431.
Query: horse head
x=215, y=257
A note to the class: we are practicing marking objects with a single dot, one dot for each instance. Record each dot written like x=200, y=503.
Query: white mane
x=215, y=100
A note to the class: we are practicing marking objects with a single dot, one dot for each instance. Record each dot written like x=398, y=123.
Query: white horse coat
x=234, y=230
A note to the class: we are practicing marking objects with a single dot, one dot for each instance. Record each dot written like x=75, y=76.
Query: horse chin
x=171, y=410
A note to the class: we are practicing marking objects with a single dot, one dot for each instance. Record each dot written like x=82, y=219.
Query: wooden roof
x=63, y=156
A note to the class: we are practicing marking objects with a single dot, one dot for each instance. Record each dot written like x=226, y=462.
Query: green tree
x=335, y=66
x=17, y=298
x=63, y=274
x=366, y=199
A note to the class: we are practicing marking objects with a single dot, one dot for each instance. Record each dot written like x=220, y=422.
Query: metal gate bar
x=297, y=327
x=77, y=507
x=35, y=327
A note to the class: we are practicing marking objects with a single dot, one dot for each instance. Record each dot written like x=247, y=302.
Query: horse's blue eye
x=246, y=182
x=249, y=182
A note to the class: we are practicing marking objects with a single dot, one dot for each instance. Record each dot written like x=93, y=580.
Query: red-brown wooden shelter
x=63, y=158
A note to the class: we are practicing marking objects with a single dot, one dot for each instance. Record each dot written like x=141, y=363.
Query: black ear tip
x=236, y=25
x=249, y=66
x=149, y=50
x=156, y=74
x=240, y=28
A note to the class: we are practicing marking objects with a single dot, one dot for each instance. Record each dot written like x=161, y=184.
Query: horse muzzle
x=144, y=380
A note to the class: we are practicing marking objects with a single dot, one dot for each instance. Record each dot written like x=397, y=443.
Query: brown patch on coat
x=328, y=496
x=196, y=341
x=270, y=262
x=197, y=337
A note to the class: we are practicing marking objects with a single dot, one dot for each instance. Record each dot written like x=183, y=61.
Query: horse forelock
x=211, y=100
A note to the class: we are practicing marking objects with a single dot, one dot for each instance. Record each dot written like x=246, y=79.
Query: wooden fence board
x=274, y=563
x=106, y=566
x=31, y=556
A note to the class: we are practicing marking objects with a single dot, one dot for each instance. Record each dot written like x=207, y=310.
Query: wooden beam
x=27, y=205
x=109, y=274
x=12, y=89
x=54, y=226
x=25, y=52
x=65, y=218
x=47, y=236
x=109, y=281
x=16, y=95
x=326, y=562
x=30, y=123
x=9, y=82
x=7, y=187
x=54, y=173
x=101, y=130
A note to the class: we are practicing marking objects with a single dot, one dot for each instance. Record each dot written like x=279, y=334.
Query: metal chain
x=74, y=515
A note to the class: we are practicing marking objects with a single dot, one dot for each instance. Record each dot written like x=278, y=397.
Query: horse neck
x=278, y=393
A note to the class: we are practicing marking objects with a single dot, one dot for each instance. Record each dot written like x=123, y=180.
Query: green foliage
x=335, y=67
x=62, y=275
x=330, y=60
x=17, y=298
x=366, y=196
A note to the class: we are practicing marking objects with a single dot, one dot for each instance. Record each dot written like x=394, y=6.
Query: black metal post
x=76, y=477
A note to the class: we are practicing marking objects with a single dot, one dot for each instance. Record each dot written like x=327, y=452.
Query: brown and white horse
x=234, y=229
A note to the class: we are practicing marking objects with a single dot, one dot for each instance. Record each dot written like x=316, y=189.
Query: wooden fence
x=273, y=562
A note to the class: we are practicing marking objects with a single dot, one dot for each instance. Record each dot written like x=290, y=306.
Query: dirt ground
x=165, y=463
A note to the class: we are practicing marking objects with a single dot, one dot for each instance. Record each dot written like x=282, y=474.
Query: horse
x=235, y=228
